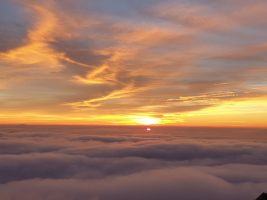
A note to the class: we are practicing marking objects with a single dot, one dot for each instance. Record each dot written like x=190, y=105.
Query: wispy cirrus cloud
x=88, y=56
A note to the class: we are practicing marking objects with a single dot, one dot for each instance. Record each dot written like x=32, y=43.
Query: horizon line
x=135, y=125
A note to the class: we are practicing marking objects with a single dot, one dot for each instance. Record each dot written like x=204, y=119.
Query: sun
x=147, y=120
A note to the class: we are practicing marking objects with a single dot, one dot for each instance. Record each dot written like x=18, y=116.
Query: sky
x=118, y=163
x=171, y=62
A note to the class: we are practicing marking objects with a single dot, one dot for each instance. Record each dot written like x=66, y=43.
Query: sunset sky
x=132, y=62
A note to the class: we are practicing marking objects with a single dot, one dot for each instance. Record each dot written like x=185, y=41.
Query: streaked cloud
x=129, y=58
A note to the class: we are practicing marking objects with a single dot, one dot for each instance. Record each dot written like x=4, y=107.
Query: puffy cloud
x=70, y=162
x=183, y=183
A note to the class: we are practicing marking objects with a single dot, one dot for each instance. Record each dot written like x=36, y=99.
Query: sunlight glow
x=147, y=120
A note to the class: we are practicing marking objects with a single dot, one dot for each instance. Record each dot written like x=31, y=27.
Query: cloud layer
x=71, y=162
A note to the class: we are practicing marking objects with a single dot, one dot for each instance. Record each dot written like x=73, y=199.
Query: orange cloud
x=79, y=64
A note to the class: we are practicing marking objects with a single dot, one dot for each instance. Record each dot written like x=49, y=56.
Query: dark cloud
x=188, y=184
x=14, y=25
x=17, y=147
x=81, y=54
x=62, y=166
x=253, y=53
x=184, y=152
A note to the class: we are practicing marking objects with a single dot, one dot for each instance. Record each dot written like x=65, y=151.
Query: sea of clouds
x=129, y=163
